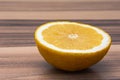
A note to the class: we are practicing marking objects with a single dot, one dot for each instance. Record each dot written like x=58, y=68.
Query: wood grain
x=19, y=58
x=48, y=15
x=59, y=9
x=57, y=6
x=21, y=32
x=25, y=63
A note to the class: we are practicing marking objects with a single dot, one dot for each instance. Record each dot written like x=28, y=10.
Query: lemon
x=71, y=46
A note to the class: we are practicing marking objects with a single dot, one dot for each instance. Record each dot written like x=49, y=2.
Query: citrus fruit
x=71, y=46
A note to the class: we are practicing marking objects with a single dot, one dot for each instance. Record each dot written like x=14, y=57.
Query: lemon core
x=73, y=36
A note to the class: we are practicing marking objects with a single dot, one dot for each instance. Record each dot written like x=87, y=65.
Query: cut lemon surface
x=71, y=46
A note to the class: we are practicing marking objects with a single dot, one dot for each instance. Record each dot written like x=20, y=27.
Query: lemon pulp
x=74, y=37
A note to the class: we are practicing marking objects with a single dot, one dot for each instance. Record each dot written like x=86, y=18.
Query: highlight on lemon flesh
x=71, y=46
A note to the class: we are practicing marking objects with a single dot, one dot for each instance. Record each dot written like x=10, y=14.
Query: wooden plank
x=48, y=15
x=25, y=63
x=21, y=32
x=63, y=0
x=58, y=6
x=60, y=9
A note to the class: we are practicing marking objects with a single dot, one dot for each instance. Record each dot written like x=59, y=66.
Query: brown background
x=19, y=58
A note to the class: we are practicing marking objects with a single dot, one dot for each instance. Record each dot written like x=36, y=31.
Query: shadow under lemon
x=54, y=73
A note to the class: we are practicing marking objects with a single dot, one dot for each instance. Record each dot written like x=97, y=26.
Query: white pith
x=72, y=36
x=104, y=44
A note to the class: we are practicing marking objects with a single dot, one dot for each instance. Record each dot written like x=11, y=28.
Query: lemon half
x=71, y=46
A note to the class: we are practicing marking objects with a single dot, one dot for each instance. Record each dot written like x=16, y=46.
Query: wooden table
x=19, y=57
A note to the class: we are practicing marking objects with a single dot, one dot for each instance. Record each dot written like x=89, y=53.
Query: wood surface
x=25, y=63
x=59, y=9
x=19, y=58
x=21, y=32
